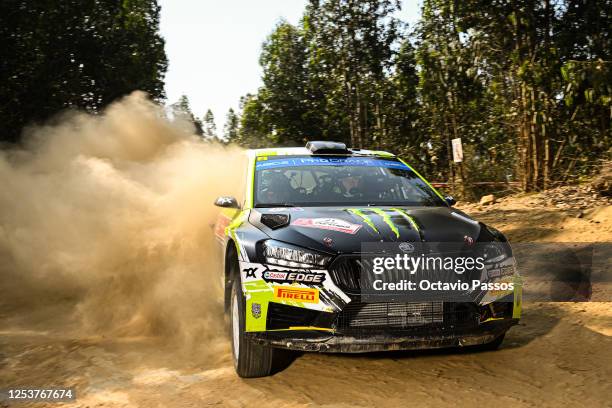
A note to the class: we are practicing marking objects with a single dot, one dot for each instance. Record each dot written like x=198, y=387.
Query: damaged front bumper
x=387, y=340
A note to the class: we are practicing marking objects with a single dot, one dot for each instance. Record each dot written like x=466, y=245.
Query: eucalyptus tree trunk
x=525, y=146
x=350, y=111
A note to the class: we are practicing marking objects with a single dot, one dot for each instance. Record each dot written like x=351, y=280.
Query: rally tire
x=250, y=359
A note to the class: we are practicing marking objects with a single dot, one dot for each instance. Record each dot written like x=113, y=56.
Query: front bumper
x=387, y=340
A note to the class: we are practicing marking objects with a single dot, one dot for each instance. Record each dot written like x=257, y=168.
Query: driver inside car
x=275, y=188
x=349, y=184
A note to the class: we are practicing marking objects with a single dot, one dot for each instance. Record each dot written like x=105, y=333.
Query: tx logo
x=250, y=272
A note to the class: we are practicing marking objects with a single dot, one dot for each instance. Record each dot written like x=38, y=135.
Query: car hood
x=343, y=230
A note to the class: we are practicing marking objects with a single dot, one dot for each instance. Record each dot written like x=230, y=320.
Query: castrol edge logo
x=304, y=295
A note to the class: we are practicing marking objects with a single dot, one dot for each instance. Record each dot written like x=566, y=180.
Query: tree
x=585, y=46
x=355, y=42
x=531, y=53
x=254, y=123
x=327, y=77
x=183, y=109
x=500, y=69
x=285, y=77
x=232, y=125
x=73, y=54
x=402, y=110
x=525, y=85
x=450, y=91
x=210, y=128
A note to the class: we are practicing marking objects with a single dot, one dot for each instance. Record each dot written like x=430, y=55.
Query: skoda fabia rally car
x=298, y=249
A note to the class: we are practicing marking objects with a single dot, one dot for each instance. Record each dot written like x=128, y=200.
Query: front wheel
x=250, y=359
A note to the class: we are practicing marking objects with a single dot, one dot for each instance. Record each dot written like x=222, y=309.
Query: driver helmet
x=349, y=180
x=275, y=187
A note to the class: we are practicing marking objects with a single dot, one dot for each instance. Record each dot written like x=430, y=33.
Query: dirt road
x=560, y=354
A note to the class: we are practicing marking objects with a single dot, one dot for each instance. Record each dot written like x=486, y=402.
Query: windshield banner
x=329, y=161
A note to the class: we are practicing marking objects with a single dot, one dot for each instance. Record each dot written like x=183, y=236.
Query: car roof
x=302, y=151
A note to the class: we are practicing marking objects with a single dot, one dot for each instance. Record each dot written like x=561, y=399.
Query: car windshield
x=320, y=181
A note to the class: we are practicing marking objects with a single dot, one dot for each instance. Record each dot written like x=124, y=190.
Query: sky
x=213, y=47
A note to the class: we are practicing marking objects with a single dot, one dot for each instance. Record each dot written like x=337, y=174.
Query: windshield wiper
x=273, y=205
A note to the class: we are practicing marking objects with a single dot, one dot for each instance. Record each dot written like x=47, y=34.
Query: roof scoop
x=322, y=147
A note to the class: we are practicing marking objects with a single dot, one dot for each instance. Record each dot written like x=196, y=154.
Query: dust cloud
x=112, y=215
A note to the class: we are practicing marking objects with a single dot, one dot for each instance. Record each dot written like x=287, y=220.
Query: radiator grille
x=397, y=315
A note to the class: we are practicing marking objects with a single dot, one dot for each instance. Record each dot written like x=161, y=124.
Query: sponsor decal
x=410, y=219
x=406, y=247
x=364, y=217
x=333, y=224
x=250, y=272
x=331, y=161
x=293, y=276
x=256, y=310
x=507, y=270
x=387, y=219
x=304, y=295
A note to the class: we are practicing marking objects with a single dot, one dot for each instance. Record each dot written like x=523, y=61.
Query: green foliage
x=209, y=126
x=182, y=109
x=285, y=98
x=78, y=54
x=326, y=78
x=232, y=127
x=526, y=85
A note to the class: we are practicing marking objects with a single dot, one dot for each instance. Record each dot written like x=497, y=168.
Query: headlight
x=498, y=259
x=492, y=245
x=279, y=253
x=495, y=252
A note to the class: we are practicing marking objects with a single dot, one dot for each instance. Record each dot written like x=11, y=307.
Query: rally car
x=296, y=249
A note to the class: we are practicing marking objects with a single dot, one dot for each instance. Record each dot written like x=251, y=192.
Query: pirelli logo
x=304, y=295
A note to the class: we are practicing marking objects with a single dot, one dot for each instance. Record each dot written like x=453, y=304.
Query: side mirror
x=450, y=200
x=226, y=202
